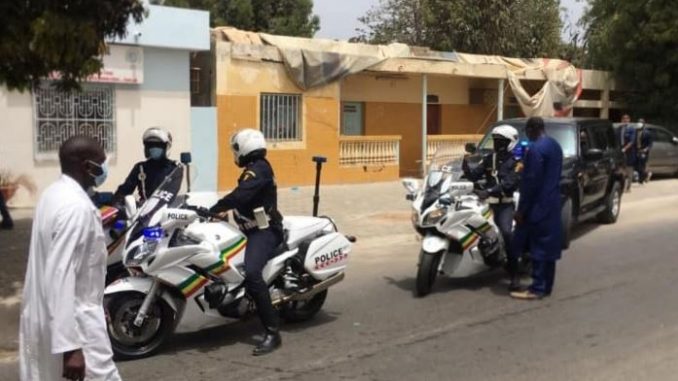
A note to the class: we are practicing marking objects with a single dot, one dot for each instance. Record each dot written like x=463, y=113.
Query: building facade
x=377, y=124
x=145, y=82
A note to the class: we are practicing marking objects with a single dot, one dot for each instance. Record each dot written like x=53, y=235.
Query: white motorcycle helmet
x=156, y=137
x=246, y=142
x=507, y=132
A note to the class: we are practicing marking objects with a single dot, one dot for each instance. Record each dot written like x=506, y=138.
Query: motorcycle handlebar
x=205, y=213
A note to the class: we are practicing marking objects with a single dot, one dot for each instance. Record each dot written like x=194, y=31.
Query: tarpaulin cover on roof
x=562, y=87
x=316, y=62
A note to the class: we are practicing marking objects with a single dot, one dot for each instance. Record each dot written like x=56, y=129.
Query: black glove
x=202, y=212
x=482, y=194
x=464, y=166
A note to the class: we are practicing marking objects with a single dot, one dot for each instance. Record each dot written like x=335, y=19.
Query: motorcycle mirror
x=410, y=197
x=411, y=185
x=186, y=158
x=446, y=201
x=471, y=148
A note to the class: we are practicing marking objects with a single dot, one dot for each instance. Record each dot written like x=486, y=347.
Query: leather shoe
x=270, y=343
x=526, y=295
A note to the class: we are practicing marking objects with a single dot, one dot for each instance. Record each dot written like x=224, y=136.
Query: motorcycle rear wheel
x=129, y=342
x=427, y=273
x=303, y=310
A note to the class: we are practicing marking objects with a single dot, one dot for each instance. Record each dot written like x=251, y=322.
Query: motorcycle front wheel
x=427, y=272
x=129, y=341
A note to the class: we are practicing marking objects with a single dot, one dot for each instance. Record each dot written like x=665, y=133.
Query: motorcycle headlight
x=141, y=253
x=435, y=216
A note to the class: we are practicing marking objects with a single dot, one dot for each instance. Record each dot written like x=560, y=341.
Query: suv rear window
x=564, y=134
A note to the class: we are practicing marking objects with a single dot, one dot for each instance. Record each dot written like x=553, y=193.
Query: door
x=352, y=118
x=433, y=119
x=597, y=171
x=663, y=154
x=604, y=140
x=587, y=173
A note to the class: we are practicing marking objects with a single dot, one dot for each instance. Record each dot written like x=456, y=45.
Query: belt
x=500, y=200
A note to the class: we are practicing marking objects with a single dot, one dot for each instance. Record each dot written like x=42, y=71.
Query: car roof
x=547, y=120
x=648, y=125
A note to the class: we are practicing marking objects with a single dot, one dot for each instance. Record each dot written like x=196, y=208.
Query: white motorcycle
x=190, y=272
x=459, y=236
x=117, y=221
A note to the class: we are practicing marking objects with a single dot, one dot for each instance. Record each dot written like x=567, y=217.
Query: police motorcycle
x=117, y=219
x=459, y=236
x=188, y=271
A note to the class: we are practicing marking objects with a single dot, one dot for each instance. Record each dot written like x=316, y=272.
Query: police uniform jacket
x=145, y=177
x=256, y=188
x=501, y=173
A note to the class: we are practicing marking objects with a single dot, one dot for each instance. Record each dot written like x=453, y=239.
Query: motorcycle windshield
x=165, y=195
x=444, y=169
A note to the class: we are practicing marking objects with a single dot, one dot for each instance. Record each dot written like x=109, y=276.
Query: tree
x=284, y=17
x=39, y=38
x=638, y=41
x=519, y=28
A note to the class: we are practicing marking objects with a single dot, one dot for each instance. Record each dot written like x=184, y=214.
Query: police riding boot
x=269, y=343
x=271, y=321
x=514, y=274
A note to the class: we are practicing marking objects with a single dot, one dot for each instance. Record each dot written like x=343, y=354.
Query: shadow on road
x=444, y=284
x=14, y=254
x=240, y=332
x=583, y=229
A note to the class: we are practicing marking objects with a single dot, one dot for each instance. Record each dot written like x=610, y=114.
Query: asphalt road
x=613, y=314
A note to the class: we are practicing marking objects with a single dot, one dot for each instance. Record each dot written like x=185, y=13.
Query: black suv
x=593, y=167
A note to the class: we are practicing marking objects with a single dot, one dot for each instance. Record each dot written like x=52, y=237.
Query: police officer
x=255, y=205
x=147, y=175
x=500, y=170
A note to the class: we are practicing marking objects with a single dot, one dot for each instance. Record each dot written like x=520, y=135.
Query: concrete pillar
x=605, y=103
x=500, y=100
x=424, y=122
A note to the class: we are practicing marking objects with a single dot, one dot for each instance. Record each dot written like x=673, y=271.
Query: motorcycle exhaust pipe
x=317, y=288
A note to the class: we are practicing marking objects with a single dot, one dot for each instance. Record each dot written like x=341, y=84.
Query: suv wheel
x=612, y=205
x=566, y=223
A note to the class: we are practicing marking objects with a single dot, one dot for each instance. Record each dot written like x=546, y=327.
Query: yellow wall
x=402, y=119
x=238, y=107
x=466, y=119
x=392, y=107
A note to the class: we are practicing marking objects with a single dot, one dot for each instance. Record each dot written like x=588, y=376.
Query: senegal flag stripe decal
x=226, y=254
x=473, y=239
x=192, y=284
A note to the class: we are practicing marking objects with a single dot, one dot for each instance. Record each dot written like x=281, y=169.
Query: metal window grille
x=280, y=117
x=60, y=115
x=195, y=80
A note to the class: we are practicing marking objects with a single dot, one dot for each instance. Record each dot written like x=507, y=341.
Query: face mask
x=156, y=153
x=99, y=180
x=500, y=145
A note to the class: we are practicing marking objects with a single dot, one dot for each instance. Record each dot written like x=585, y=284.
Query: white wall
x=135, y=112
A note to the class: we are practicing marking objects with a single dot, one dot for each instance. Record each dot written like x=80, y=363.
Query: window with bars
x=61, y=115
x=280, y=117
x=195, y=80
